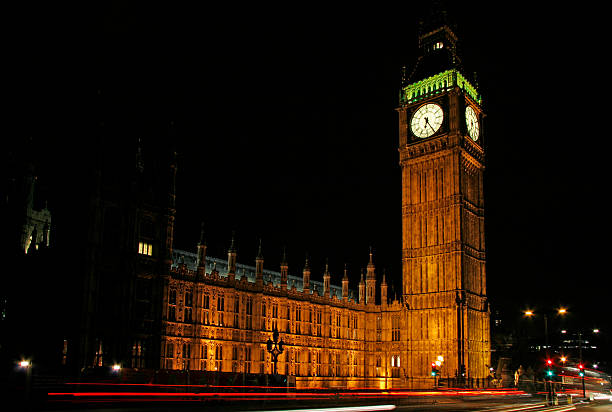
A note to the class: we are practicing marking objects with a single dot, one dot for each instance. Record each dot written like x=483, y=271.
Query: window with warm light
x=145, y=248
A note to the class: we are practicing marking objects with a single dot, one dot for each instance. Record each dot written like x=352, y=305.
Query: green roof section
x=437, y=84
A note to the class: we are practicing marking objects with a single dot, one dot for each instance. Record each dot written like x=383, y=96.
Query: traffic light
x=434, y=369
x=581, y=370
x=549, y=372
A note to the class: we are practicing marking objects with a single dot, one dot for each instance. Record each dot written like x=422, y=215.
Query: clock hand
x=430, y=126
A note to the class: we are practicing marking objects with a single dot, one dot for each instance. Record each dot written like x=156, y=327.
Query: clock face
x=427, y=120
x=471, y=121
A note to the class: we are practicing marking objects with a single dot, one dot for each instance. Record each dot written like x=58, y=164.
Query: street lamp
x=275, y=347
x=529, y=313
x=26, y=366
x=560, y=311
x=581, y=366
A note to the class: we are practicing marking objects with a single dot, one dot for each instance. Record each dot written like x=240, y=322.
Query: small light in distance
x=116, y=367
x=24, y=363
x=528, y=313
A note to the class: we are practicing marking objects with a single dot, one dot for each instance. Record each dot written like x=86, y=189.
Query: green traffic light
x=550, y=373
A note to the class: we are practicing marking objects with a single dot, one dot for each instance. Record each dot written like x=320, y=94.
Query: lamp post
x=581, y=366
x=548, y=384
x=530, y=313
x=26, y=366
x=275, y=347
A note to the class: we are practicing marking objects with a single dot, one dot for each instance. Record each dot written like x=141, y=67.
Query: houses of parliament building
x=148, y=305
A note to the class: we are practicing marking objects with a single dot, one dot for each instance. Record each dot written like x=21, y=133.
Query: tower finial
x=284, y=257
x=259, y=251
x=202, y=240
x=232, y=247
x=201, y=259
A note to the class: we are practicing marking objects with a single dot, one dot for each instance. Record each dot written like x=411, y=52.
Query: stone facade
x=221, y=321
x=443, y=247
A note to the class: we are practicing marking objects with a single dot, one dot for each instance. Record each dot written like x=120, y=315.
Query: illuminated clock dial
x=471, y=121
x=427, y=120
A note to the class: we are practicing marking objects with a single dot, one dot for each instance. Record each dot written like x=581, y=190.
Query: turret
x=284, y=271
x=31, y=244
x=345, y=284
x=383, y=291
x=231, y=259
x=371, y=281
x=201, y=260
x=259, y=261
x=326, y=280
x=172, y=183
x=306, y=277
x=361, y=289
x=46, y=233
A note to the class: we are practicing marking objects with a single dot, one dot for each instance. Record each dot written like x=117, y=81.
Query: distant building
x=36, y=227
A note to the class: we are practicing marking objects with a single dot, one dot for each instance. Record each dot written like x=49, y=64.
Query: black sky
x=286, y=129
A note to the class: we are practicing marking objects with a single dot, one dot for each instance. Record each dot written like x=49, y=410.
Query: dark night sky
x=286, y=128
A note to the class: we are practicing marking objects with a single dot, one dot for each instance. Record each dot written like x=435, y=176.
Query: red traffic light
x=548, y=361
x=433, y=364
x=581, y=366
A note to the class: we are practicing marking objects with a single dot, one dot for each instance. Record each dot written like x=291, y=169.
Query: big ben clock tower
x=443, y=247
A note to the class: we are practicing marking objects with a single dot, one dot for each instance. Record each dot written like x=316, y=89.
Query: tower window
x=145, y=248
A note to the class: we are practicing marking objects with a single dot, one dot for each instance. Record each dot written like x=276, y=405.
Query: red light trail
x=241, y=393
